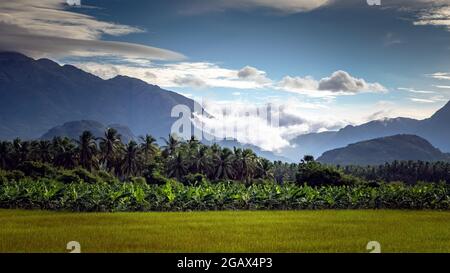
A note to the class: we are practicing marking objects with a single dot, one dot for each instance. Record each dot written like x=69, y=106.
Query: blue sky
x=330, y=63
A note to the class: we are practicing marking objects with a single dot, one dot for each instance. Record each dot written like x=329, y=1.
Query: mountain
x=74, y=129
x=36, y=95
x=435, y=129
x=387, y=149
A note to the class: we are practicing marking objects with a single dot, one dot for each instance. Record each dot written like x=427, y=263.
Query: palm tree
x=5, y=150
x=44, y=151
x=149, y=147
x=171, y=145
x=87, y=149
x=201, y=161
x=64, y=154
x=224, y=164
x=130, y=163
x=265, y=168
x=109, y=145
x=248, y=164
x=177, y=166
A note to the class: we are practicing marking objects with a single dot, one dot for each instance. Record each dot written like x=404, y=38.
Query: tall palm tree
x=248, y=164
x=201, y=161
x=44, y=151
x=109, y=145
x=130, y=163
x=64, y=154
x=177, y=166
x=223, y=162
x=265, y=168
x=87, y=149
x=149, y=147
x=5, y=150
x=172, y=143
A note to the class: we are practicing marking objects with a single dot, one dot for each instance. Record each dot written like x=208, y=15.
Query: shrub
x=315, y=174
x=138, y=180
x=38, y=169
x=194, y=179
x=156, y=178
x=86, y=176
x=69, y=177
x=107, y=177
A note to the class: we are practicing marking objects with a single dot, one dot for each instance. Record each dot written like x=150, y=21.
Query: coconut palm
x=149, y=147
x=87, y=151
x=201, y=161
x=109, y=146
x=130, y=162
x=171, y=145
x=177, y=166
x=64, y=154
x=223, y=163
x=5, y=150
x=44, y=151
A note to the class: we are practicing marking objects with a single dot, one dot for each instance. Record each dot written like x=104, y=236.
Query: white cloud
x=442, y=86
x=421, y=100
x=424, y=12
x=435, y=16
x=48, y=28
x=440, y=75
x=183, y=74
x=339, y=83
x=190, y=80
x=412, y=90
x=253, y=124
x=283, y=6
x=252, y=74
x=433, y=99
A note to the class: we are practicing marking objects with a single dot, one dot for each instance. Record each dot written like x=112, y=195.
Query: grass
x=226, y=231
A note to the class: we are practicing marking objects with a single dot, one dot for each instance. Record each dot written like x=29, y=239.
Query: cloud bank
x=50, y=28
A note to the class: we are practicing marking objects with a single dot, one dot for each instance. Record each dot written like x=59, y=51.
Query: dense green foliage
x=176, y=159
x=174, y=196
x=106, y=175
x=407, y=171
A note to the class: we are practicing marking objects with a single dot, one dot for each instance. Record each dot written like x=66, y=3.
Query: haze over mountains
x=38, y=95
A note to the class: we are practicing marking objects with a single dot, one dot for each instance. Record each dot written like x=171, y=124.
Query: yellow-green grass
x=227, y=231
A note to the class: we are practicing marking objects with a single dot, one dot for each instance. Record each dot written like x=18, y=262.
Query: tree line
x=175, y=159
x=406, y=171
x=193, y=161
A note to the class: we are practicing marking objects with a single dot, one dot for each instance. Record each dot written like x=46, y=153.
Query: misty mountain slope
x=387, y=149
x=435, y=129
x=74, y=129
x=36, y=95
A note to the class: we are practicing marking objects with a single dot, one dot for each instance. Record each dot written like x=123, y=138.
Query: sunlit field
x=226, y=231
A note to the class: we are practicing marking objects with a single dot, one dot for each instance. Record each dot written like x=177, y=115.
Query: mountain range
x=435, y=129
x=36, y=95
x=386, y=149
x=40, y=95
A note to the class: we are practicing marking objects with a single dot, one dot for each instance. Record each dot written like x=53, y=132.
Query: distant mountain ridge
x=36, y=95
x=74, y=129
x=386, y=149
x=435, y=129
